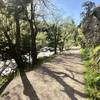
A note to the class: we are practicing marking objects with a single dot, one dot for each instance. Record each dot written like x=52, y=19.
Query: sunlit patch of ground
x=60, y=79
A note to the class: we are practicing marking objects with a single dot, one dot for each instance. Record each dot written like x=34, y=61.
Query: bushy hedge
x=91, y=59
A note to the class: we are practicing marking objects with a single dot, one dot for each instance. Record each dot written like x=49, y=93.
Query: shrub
x=85, y=54
x=92, y=77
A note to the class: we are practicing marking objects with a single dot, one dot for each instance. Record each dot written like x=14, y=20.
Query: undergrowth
x=91, y=58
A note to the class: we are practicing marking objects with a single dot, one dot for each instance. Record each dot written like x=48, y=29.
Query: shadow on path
x=68, y=58
x=72, y=71
x=66, y=75
x=67, y=89
x=28, y=88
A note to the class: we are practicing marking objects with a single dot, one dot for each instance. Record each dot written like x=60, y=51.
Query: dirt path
x=60, y=79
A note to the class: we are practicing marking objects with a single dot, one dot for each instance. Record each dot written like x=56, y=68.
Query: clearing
x=62, y=78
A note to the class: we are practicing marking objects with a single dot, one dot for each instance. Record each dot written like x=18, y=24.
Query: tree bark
x=33, y=35
x=55, y=39
x=55, y=45
x=33, y=45
x=17, y=56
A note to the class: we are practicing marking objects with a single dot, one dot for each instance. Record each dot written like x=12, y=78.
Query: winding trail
x=62, y=78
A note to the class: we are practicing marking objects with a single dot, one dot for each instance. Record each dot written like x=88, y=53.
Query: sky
x=71, y=8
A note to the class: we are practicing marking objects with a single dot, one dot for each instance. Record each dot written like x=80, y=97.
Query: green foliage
x=91, y=52
x=96, y=51
x=92, y=76
x=92, y=79
x=95, y=60
x=81, y=38
x=85, y=54
x=62, y=34
x=41, y=40
x=2, y=81
x=54, y=35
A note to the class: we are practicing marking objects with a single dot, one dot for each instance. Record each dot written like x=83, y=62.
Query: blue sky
x=71, y=8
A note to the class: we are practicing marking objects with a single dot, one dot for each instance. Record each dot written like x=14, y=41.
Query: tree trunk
x=19, y=62
x=33, y=35
x=33, y=45
x=55, y=48
x=55, y=43
x=34, y=52
x=17, y=56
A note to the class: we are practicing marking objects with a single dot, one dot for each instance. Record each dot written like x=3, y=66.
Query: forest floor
x=62, y=78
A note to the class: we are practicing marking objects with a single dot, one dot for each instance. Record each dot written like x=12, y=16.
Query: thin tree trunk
x=33, y=45
x=55, y=46
x=33, y=35
x=55, y=40
x=34, y=52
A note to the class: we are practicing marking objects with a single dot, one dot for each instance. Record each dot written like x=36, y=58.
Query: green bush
x=85, y=53
x=92, y=77
x=95, y=59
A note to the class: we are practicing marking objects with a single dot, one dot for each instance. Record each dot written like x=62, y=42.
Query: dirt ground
x=60, y=79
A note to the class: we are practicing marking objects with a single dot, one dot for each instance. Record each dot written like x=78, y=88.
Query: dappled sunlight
x=49, y=49
x=59, y=79
x=70, y=91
